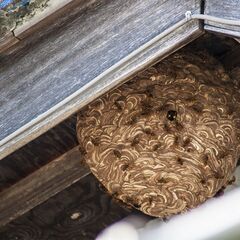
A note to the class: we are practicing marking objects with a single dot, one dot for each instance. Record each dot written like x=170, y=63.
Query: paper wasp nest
x=168, y=139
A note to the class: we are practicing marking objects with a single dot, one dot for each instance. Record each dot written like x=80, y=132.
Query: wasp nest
x=168, y=139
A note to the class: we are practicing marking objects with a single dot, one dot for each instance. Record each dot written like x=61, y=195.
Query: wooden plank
x=38, y=153
x=52, y=8
x=79, y=212
x=75, y=59
x=7, y=41
x=41, y=185
x=33, y=19
x=36, y=25
x=229, y=9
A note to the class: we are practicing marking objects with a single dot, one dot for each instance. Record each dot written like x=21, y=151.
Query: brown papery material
x=168, y=139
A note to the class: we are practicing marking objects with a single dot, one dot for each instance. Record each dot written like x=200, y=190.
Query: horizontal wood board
x=229, y=9
x=77, y=213
x=41, y=185
x=38, y=152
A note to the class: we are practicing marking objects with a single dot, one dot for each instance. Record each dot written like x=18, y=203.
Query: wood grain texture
x=229, y=9
x=72, y=55
x=41, y=185
x=57, y=21
x=36, y=22
x=37, y=153
x=49, y=9
x=8, y=41
x=54, y=219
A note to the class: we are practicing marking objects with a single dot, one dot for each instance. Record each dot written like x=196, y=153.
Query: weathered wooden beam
x=51, y=11
x=41, y=185
x=39, y=152
x=37, y=22
x=228, y=9
x=8, y=41
x=79, y=212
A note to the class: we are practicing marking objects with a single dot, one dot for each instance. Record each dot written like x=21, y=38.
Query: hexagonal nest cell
x=168, y=139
